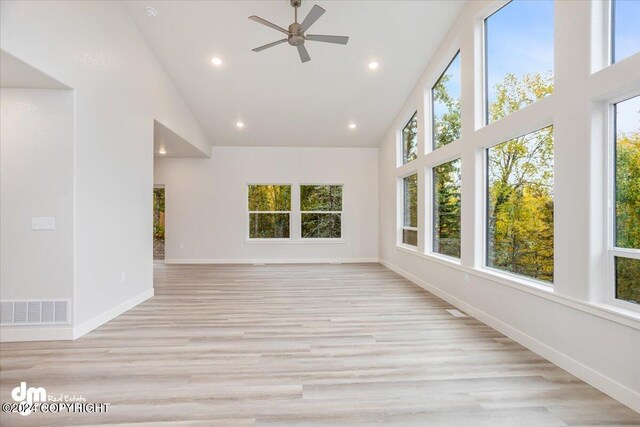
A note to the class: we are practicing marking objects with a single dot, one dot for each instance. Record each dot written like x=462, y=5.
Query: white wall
x=36, y=180
x=573, y=324
x=120, y=88
x=206, y=203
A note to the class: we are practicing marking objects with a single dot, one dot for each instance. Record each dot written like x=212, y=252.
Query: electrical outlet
x=124, y=276
x=181, y=246
x=466, y=277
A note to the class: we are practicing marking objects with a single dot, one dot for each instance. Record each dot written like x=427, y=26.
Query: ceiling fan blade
x=268, y=24
x=267, y=46
x=328, y=39
x=315, y=13
x=304, y=55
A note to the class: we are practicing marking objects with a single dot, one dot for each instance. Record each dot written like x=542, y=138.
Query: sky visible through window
x=519, y=40
x=626, y=24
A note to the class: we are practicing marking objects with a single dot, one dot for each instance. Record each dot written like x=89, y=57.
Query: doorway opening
x=158, y=223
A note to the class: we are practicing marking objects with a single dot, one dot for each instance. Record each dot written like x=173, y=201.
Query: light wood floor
x=301, y=345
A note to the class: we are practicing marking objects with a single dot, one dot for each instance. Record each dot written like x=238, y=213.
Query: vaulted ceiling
x=281, y=101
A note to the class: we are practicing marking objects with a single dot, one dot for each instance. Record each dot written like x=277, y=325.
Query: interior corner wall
x=120, y=88
x=206, y=203
x=36, y=180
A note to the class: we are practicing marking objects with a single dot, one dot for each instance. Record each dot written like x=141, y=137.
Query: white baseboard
x=36, y=333
x=69, y=332
x=110, y=314
x=618, y=391
x=270, y=261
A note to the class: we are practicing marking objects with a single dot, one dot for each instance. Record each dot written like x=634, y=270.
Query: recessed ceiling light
x=373, y=65
x=240, y=124
x=151, y=12
x=216, y=61
x=162, y=151
x=352, y=126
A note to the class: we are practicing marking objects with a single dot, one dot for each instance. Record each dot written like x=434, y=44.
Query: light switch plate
x=43, y=223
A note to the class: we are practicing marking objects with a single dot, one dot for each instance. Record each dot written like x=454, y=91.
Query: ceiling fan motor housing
x=296, y=3
x=296, y=37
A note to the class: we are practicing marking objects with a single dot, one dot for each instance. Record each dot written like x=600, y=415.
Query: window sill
x=614, y=313
x=293, y=241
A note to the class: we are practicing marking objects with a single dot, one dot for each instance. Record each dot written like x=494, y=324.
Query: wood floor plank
x=303, y=345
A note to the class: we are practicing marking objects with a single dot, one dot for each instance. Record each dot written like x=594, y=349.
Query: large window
x=445, y=98
x=410, y=139
x=446, y=208
x=410, y=210
x=321, y=211
x=627, y=200
x=269, y=211
x=625, y=25
x=520, y=205
x=518, y=56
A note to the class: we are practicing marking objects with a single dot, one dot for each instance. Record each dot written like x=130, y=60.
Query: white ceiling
x=282, y=101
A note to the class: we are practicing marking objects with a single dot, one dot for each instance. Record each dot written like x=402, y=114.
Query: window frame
x=320, y=239
x=612, y=251
x=529, y=281
x=401, y=212
x=485, y=65
x=403, y=158
x=249, y=212
x=432, y=222
x=456, y=54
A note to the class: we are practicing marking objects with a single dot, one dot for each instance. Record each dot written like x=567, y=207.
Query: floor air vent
x=34, y=312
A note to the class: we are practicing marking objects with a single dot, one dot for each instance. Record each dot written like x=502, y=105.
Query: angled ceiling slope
x=281, y=101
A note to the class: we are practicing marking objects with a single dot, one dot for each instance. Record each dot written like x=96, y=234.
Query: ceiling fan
x=296, y=33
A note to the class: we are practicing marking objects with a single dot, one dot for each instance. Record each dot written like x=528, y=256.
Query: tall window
x=518, y=56
x=321, y=207
x=520, y=205
x=269, y=211
x=627, y=200
x=445, y=99
x=625, y=25
x=410, y=210
x=446, y=209
x=410, y=139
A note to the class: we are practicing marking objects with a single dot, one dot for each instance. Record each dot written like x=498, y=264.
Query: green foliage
x=269, y=198
x=513, y=93
x=158, y=213
x=321, y=225
x=410, y=184
x=628, y=190
x=410, y=139
x=520, y=223
x=269, y=225
x=628, y=214
x=446, y=210
x=446, y=127
x=628, y=279
x=321, y=197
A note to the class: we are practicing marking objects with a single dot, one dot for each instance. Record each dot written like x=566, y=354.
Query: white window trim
x=429, y=106
x=323, y=239
x=612, y=250
x=401, y=226
x=248, y=237
x=431, y=204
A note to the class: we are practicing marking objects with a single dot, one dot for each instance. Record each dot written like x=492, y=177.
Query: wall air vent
x=34, y=312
